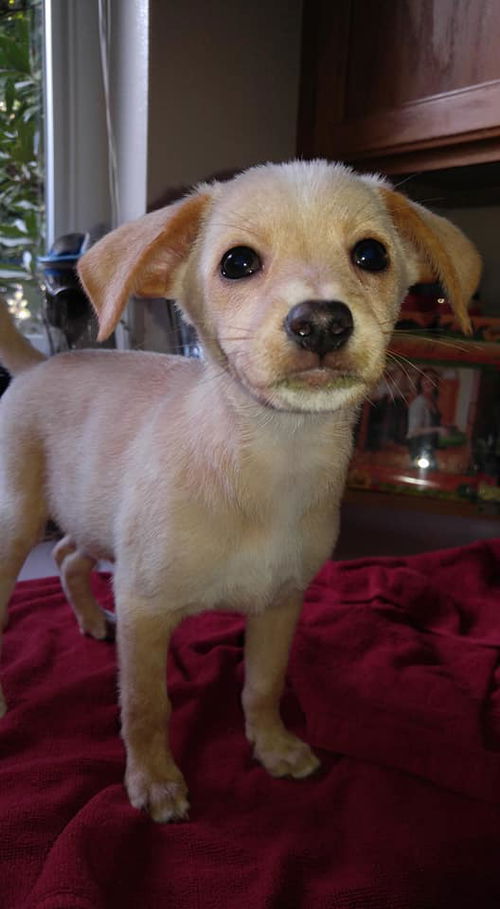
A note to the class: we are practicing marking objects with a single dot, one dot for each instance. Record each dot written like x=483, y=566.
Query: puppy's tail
x=16, y=352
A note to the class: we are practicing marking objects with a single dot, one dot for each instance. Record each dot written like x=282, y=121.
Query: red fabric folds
x=395, y=665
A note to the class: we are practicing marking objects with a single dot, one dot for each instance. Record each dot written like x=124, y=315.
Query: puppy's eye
x=240, y=262
x=370, y=255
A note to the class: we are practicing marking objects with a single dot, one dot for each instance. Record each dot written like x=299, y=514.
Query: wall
x=223, y=87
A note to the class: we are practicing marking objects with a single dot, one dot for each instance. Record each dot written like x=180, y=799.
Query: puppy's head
x=292, y=274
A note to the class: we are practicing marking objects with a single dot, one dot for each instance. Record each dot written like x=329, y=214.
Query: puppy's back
x=80, y=412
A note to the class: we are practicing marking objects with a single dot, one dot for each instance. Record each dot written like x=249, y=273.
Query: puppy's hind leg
x=76, y=568
x=23, y=513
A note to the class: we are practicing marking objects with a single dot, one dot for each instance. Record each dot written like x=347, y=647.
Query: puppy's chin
x=308, y=394
x=310, y=391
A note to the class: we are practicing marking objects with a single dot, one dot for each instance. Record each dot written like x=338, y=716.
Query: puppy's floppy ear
x=142, y=257
x=438, y=251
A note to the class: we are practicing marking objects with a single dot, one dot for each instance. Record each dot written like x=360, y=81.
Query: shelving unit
x=462, y=478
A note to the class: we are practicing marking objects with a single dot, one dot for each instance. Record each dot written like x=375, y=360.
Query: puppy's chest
x=256, y=560
x=265, y=526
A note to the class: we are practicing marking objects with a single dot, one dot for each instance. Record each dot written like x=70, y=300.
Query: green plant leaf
x=9, y=96
x=27, y=205
x=13, y=271
x=15, y=242
x=21, y=171
x=21, y=225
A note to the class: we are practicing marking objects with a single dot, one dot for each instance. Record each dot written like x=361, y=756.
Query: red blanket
x=395, y=666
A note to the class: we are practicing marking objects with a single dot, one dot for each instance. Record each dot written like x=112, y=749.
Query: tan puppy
x=216, y=483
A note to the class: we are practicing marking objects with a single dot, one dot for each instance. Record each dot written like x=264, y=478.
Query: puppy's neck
x=228, y=403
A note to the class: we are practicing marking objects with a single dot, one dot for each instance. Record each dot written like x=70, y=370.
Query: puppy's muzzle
x=320, y=326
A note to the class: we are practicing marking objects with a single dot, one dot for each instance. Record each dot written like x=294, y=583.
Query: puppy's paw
x=283, y=754
x=99, y=624
x=164, y=799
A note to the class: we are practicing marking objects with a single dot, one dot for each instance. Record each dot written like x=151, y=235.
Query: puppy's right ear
x=144, y=257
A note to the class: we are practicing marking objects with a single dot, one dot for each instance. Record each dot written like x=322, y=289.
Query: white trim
x=77, y=195
x=49, y=120
x=77, y=106
x=129, y=68
x=83, y=112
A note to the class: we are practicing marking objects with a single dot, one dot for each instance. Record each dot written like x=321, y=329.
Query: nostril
x=341, y=320
x=320, y=325
x=303, y=328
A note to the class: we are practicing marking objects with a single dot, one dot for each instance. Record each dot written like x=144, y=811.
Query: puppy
x=216, y=483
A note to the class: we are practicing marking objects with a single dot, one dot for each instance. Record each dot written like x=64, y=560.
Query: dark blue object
x=67, y=307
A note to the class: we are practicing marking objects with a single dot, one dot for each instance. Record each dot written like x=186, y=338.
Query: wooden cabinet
x=401, y=85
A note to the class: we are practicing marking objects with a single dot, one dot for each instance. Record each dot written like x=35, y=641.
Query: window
x=21, y=158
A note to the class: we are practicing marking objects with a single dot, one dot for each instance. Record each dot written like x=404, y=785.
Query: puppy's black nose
x=319, y=325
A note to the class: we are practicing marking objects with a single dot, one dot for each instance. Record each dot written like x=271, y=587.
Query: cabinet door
x=401, y=82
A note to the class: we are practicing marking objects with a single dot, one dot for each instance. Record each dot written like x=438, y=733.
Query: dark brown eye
x=240, y=262
x=370, y=255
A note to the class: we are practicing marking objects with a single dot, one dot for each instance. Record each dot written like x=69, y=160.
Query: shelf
x=447, y=349
x=455, y=187
x=387, y=500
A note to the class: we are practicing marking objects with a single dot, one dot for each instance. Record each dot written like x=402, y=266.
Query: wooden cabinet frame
x=456, y=127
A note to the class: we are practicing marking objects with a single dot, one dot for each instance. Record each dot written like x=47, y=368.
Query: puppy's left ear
x=438, y=251
x=144, y=257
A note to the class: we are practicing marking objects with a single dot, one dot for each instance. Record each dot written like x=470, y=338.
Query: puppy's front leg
x=152, y=779
x=267, y=644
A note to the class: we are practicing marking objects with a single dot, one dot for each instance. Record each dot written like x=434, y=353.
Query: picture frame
x=432, y=428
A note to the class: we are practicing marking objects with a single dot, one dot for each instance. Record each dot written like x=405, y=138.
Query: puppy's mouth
x=316, y=389
x=323, y=378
